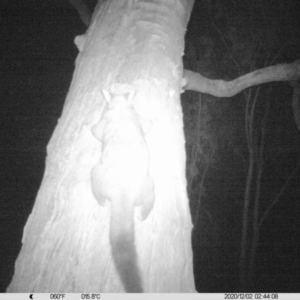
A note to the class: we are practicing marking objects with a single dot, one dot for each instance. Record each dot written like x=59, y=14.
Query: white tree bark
x=132, y=50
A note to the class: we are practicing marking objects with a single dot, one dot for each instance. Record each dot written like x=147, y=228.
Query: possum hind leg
x=145, y=203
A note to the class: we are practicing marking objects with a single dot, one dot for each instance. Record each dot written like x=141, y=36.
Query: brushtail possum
x=122, y=177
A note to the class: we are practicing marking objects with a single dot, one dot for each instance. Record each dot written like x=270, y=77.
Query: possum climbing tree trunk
x=130, y=54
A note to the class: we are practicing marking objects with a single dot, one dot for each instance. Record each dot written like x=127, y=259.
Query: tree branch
x=83, y=11
x=220, y=88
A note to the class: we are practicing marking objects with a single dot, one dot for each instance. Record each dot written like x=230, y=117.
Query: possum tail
x=123, y=249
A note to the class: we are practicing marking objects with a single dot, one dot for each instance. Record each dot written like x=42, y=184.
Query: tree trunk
x=130, y=54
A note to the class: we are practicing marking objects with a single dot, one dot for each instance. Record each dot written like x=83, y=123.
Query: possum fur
x=122, y=177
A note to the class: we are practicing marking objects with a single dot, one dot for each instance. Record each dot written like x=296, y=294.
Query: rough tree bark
x=131, y=51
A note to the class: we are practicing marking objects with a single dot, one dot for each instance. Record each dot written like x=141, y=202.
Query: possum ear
x=97, y=130
x=106, y=95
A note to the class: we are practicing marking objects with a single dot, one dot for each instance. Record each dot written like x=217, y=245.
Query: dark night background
x=224, y=40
